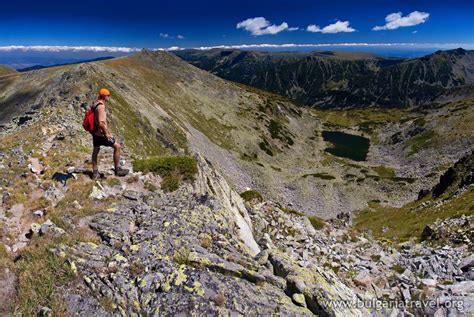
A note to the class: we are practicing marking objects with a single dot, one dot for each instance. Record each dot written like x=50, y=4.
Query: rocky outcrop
x=210, y=182
x=458, y=176
x=453, y=231
x=193, y=251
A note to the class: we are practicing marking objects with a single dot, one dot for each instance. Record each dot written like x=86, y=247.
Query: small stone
x=35, y=227
x=35, y=165
x=427, y=233
x=18, y=246
x=363, y=279
x=462, y=288
x=76, y=205
x=429, y=282
x=71, y=169
x=46, y=226
x=406, y=294
x=60, y=136
x=97, y=193
x=467, y=263
x=299, y=299
x=131, y=195
x=39, y=213
x=45, y=311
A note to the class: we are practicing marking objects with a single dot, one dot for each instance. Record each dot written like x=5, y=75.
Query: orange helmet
x=104, y=92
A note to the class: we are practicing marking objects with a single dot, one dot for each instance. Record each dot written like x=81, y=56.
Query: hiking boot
x=95, y=174
x=121, y=171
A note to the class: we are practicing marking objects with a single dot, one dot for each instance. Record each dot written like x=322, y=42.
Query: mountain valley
x=297, y=181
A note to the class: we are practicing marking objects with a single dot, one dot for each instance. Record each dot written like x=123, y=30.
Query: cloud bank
x=338, y=27
x=261, y=26
x=316, y=45
x=397, y=20
x=129, y=50
x=47, y=48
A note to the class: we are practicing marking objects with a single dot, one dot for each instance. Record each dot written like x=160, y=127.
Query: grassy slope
x=401, y=224
x=5, y=70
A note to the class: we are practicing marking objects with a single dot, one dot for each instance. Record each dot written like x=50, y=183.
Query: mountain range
x=342, y=80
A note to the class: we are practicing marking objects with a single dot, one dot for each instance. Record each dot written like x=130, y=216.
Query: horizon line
x=122, y=49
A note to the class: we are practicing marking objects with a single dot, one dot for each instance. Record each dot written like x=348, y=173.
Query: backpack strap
x=96, y=119
x=98, y=103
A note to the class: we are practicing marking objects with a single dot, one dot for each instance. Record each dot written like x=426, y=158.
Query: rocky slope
x=338, y=80
x=122, y=246
x=129, y=246
x=260, y=140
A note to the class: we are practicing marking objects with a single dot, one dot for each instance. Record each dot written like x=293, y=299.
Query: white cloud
x=165, y=35
x=414, y=32
x=338, y=27
x=293, y=29
x=179, y=36
x=322, y=45
x=261, y=26
x=129, y=50
x=313, y=28
x=46, y=48
x=397, y=20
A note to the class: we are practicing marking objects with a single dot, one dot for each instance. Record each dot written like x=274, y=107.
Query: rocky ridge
x=338, y=80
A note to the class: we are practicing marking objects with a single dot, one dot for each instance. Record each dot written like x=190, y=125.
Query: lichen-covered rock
x=193, y=251
x=151, y=262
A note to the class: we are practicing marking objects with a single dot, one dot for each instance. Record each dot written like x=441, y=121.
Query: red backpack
x=89, y=122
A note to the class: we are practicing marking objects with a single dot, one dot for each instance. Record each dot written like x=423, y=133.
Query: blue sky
x=206, y=23
x=187, y=24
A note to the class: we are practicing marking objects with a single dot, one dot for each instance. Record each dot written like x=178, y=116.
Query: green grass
x=41, y=274
x=173, y=169
x=265, y=146
x=389, y=174
x=419, y=141
x=316, y=222
x=112, y=181
x=5, y=70
x=248, y=157
x=216, y=131
x=292, y=211
x=384, y=172
x=278, y=131
x=401, y=224
x=150, y=186
x=353, y=117
x=398, y=268
x=320, y=175
x=251, y=195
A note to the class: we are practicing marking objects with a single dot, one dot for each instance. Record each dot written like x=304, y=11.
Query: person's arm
x=103, y=121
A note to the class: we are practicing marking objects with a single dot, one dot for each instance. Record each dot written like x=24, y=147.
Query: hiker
x=101, y=136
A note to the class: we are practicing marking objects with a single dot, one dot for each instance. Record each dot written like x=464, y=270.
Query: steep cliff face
x=338, y=80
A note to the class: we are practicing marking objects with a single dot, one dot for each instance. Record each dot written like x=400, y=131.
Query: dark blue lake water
x=346, y=145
